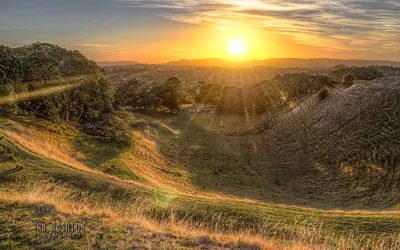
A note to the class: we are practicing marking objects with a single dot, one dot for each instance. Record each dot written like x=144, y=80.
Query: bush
x=111, y=168
x=348, y=80
x=111, y=126
x=118, y=130
x=323, y=93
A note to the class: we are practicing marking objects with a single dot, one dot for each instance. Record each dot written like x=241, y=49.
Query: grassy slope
x=343, y=150
x=340, y=152
x=104, y=232
x=179, y=170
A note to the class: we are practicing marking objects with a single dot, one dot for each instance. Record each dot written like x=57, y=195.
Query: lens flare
x=63, y=84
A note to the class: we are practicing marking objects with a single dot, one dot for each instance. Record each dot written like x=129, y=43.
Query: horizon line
x=249, y=60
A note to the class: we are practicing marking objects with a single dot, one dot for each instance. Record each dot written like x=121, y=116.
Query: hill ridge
x=283, y=62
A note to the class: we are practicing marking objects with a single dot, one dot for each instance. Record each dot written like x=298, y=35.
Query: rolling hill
x=342, y=149
x=289, y=180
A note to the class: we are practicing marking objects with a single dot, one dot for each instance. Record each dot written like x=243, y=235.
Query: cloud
x=338, y=25
x=93, y=45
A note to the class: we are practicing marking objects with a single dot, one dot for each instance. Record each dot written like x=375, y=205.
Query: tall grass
x=156, y=216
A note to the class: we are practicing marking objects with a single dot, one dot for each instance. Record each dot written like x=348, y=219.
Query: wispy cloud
x=92, y=45
x=338, y=25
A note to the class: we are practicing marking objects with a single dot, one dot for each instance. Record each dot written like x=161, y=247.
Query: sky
x=157, y=31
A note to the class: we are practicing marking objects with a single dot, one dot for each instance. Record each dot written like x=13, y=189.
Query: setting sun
x=237, y=47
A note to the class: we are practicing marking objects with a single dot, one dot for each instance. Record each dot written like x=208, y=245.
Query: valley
x=185, y=170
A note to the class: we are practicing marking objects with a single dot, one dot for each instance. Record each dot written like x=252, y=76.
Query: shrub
x=118, y=130
x=113, y=127
x=348, y=80
x=2, y=151
x=323, y=93
x=111, y=168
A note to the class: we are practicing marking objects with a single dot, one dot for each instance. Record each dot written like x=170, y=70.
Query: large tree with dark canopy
x=84, y=92
x=170, y=93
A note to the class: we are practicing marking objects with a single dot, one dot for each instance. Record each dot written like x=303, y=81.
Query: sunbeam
x=63, y=84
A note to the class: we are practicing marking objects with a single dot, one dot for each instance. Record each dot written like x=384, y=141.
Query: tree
x=127, y=93
x=149, y=100
x=209, y=94
x=232, y=100
x=41, y=66
x=170, y=93
x=256, y=99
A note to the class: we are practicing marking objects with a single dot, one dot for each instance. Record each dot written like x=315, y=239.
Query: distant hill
x=212, y=62
x=120, y=63
x=283, y=62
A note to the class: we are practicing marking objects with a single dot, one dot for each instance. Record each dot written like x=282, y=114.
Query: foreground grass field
x=185, y=183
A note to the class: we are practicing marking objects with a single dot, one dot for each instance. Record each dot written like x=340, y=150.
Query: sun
x=237, y=47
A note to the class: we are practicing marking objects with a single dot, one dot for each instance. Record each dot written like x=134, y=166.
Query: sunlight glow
x=63, y=84
x=237, y=47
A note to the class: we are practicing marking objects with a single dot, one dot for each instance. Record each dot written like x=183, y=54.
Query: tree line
x=135, y=94
x=263, y=96
x=245, y=100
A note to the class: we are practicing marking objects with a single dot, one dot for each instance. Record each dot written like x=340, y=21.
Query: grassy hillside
x=339, y=152
x=344, y=149
x=198, y=181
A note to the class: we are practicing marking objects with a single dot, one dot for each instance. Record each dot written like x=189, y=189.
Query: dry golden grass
x=146, y=159
x=55, y=147
x=47, y=145
x=60, y=198
x=155, y=213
